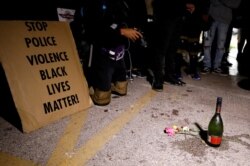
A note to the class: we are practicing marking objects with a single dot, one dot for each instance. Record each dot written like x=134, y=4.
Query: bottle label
x=215, y=140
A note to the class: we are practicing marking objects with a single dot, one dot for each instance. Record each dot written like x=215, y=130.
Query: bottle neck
x=218, y=109
x=218, y=105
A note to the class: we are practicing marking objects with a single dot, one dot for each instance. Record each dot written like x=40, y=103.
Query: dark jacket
x=221, y=10
x=104, y=18
x=193, y=24
x=168, y=9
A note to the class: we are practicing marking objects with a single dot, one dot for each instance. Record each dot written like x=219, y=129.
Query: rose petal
x=169, y=131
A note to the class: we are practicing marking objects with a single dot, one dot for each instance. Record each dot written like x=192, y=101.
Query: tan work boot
x=119, y=88
x=101, y=98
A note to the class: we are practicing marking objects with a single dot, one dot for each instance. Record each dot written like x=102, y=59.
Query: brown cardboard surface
x=43, y=70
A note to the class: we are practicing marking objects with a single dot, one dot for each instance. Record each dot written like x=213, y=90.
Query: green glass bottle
x=215, y=127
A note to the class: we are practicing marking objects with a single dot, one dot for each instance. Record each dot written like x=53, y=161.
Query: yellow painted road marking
x=82, y=155
x=71, y=134
x=9, y=160
x=68, y=140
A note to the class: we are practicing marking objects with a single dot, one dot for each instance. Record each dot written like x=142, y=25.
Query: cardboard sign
x=43, y=70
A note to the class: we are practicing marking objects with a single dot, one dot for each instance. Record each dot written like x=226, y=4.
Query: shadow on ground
x=244, y=84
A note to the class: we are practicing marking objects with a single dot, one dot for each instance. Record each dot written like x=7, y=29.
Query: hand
x=131, y=33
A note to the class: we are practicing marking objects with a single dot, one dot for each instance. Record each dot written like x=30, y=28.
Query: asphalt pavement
x=130, y=130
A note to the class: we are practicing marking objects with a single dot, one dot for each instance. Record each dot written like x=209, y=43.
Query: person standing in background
x=189, y=42
x=243, y=27
x=168, y=18
x=235, y=23
x=221, y=13
x=243, y=56
x=136, y=57
x=108, y=29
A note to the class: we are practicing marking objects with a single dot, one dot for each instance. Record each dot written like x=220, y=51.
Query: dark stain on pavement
x=242, y=139
x=197, y=147
x=194, y=146
x=175, y=112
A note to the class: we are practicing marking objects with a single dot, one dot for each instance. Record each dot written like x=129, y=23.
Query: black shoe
x=150, y=79
x=182, y=82
x=205, y=70
x=217, y=70
x=174, y=81
x=178, y=76
x=224, y=72
x=226, y=63
x=196, y=76
x=157, y=86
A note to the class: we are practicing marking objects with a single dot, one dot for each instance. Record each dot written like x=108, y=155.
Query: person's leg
x=208, y=40
x=119, y=81
x=158, y=45
x=241, y=42
x=244, y=60
x=227, y=47
x=194, y=66
x=179, y=64
x=173, y=36
x=103, y=71
x=228, y=39
x=158, y=69
x=221, y=38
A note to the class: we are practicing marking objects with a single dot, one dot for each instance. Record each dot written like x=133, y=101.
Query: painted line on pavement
x=96, y=143
x=10, y=160
x=68, y=140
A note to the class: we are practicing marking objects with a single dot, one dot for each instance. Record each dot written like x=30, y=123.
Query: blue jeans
x=221, y=34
